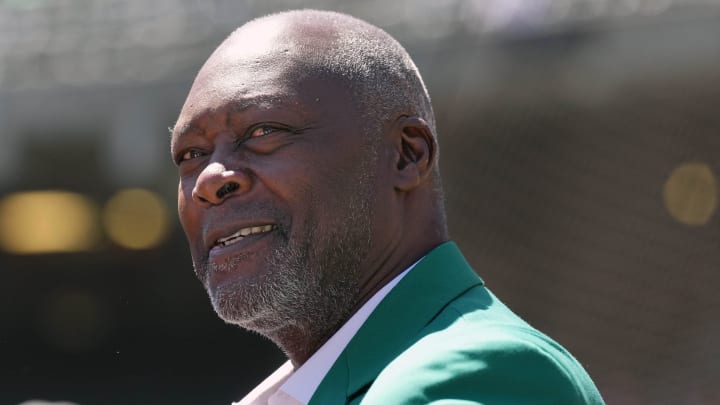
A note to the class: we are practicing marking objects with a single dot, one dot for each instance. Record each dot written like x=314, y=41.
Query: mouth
x=243, y=233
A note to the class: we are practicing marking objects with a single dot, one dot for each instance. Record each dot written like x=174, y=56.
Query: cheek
x=184, y=204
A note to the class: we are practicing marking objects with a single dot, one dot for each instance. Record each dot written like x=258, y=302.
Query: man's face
x=276, y=193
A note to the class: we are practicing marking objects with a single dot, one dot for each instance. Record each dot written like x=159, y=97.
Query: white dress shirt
x=289, y=386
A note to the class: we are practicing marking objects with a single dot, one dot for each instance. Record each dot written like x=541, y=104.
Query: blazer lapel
x=437, y=279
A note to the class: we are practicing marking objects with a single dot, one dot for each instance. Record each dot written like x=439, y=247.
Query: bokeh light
x=47, y=222
x=691, y=193
x=136, y=219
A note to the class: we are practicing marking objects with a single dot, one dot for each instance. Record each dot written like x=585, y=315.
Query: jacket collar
x=440, y=276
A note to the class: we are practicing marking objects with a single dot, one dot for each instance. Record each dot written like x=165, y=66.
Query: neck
x=296, y=343
x=390, y=267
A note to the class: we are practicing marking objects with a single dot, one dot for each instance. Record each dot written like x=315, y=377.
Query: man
x=310, y=195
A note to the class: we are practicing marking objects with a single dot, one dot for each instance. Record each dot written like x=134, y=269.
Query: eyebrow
x=185, y=130
x=263, y=100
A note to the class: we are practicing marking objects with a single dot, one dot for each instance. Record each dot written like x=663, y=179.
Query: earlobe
x=416, y=150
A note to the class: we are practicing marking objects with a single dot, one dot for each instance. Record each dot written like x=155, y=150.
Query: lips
x=242, y=233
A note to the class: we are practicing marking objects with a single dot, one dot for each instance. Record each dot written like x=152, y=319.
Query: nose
x=216, y=183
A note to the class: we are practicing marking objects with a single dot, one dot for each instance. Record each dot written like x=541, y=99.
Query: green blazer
x=440, y=337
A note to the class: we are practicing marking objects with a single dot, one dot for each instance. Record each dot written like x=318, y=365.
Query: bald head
x=377, y=71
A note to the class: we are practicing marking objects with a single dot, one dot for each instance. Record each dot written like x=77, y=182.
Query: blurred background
x=580, y=152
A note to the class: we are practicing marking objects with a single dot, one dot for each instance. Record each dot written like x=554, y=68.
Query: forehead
x=238, y=84
x=263, y=66
x=238, y=87
x=241, y=72
x=248, y=93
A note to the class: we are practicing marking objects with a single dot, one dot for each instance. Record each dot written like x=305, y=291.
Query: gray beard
x=308, y=289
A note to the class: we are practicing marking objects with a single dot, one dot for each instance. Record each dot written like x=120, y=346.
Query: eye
x=263, y=130
x=190, y=154
x=264, y=137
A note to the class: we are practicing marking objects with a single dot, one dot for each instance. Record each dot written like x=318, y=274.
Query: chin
x=229, y=301
x=247, y=306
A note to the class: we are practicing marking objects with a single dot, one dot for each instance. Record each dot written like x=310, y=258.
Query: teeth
x=237, y=236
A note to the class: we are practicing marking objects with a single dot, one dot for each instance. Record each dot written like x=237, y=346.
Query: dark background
x=580, y=151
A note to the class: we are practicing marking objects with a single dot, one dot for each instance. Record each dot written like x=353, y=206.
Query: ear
x=415, y=152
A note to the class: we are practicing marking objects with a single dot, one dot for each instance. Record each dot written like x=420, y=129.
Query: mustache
x=243, y=213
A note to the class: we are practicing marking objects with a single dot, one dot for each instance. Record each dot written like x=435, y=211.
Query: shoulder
x=488, y=357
